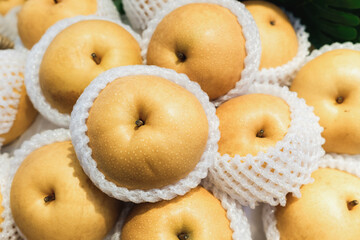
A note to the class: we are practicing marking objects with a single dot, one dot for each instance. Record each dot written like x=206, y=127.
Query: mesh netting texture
x=78, y=131
x=33, y=67
x=12, y=64
x=269, y=177
x=8, y=229
x=140, y=12
x=343, y=162
x=249, y=30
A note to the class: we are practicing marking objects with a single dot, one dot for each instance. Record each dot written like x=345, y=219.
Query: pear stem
x=139, y=123
x=183, y=236
x=181, y=56
x=49, y=198
x=340, y=100
x=96, y=59
x=260, y=134
x=352, y=204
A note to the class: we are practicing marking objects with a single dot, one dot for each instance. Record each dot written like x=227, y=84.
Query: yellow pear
x=52, y=198
x=331, y=84
x=36, y=16
x=328, y=209
x=279, y=42
x=205, y=42
x=80, y=53
x=25, y=116
x=252, y=123
x=150, y=137
x=7, y=5
x=196, y=215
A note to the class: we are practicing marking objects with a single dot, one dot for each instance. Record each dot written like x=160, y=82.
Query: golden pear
x=36, y=16
x=81, y=52
x=205, y=42
x=331, y=84
x=279, y=43
x=196, y=215
x=252, y=123
x=146, y=132
x=52, y=198
x=328, y=209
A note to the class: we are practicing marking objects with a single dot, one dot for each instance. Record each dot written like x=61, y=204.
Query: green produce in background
x=327, y=21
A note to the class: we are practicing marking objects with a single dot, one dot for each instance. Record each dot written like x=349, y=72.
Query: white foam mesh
x=106, y=8
x=140, y=12
x=343, y=162
x=12, y=63
x=80, y=140
x=249, y=30
x=116, y=232
x=283, y=74
x=37, y=141
x=33, y=67
x=238, y=221
x=8, y=230
x=289, y=163
x=8, y=24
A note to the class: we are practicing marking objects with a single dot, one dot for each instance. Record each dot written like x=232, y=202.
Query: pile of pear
x=51, y=197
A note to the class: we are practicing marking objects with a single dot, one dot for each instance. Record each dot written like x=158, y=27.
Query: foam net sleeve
x=343, y=162
x=12, y=64
x=8, y=229
x=269, y=177
x=78, y=131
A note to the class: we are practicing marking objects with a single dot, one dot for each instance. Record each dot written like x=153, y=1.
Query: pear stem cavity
x=352, y=204
x=260, y=134
x=340, y=100
x=55, y=1
x=96, y=59
x=49, y=198
x=272, y=23
x=181, y=56
x=183, y=236
x=139, y=123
